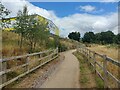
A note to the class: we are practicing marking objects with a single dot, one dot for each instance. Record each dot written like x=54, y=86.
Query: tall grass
x=112, y=52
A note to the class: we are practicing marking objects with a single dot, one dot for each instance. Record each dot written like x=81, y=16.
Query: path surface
x=66, y=75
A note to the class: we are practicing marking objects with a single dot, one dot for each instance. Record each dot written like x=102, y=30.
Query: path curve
x=66, y=75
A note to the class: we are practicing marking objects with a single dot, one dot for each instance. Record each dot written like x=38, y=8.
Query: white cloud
x=109, y=0
x=16, y=5
x=87, y=8
x=86, y=22
x=76, y=22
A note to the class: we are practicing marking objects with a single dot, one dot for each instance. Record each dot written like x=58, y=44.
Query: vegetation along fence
x=103, y=66
x=16, y=67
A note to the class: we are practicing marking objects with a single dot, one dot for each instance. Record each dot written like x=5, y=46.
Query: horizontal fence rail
x=91, y=58
x=30, y=62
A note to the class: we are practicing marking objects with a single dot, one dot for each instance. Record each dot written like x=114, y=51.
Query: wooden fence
x=23, y=65
x=101, y=69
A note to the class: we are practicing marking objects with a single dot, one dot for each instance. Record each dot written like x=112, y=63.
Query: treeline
x=107, y=37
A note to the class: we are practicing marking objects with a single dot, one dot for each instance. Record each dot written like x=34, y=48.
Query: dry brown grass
x=102, y=49
x=111, y=52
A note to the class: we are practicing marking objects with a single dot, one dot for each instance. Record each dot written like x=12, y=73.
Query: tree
x=3, y=13
x=89, y=37
x=21, y=24
x=37, y=31
x=97, y=37
x=117, y=39
x=107, y=37
x=74, y=36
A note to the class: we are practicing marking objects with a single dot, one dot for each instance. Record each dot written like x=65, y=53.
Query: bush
x=62, y=47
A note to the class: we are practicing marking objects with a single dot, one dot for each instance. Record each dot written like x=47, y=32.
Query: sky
x=72, y=16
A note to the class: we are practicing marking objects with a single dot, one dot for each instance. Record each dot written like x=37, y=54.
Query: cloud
x=86, y=22
x=90, y=9
x=16, y=5
x=109, y=0
x=87, y=8
x=75, y=22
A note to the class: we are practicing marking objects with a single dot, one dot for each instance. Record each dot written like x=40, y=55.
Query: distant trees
x=107, y=37
x=74, y=36
x=116, y=39
x=89, y=37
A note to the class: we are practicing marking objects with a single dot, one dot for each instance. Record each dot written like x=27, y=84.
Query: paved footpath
x=66, y=75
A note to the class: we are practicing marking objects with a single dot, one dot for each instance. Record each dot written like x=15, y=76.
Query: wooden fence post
x=27, y=62
x=105, y=71
x=4, y=76
x=40, y=56
x=119, y=61
x=1, y=71
x=94, y=58
x=88, y=55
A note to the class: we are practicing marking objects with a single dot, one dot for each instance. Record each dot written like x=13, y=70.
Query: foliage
x=62, y=47
x=74, y=36
x=21, y=25
x=37, y=32
x=89, y=37
x=99, y=82
x=32, y=29
x=107, y=37
x=116, y=39
x=3, y=13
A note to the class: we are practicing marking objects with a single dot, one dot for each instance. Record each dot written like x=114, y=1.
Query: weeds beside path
x=87, y=77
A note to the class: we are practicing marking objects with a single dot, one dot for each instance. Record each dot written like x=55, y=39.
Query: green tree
x=107, y=37
x=74, y=36
x=97, y=37
x=89, y=37
x=21, y=24
x=117, y=39
x=37, y=31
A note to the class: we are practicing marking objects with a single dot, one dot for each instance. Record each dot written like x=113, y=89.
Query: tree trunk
x=21, y=42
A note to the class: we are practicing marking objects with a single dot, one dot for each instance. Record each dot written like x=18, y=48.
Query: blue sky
x=63, y=9
x=72, y=16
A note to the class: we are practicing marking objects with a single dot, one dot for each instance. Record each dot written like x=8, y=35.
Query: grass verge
x=88, y=79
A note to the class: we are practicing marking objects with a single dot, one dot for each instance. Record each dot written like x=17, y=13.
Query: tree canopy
x=89, y=37
x=31, y=28
x=74, y=36
x=107, y=37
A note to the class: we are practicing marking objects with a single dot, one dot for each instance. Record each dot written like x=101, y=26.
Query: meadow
x=112, y=51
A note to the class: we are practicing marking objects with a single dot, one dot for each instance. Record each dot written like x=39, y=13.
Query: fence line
x=95, y=63
x=42, y=58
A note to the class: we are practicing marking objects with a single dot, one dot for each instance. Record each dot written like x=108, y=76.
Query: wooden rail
x=91, y=58
x=28, y=66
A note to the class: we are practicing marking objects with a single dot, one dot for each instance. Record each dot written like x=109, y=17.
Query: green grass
x=99, y=82
x=84, y=80
x=85, y=70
